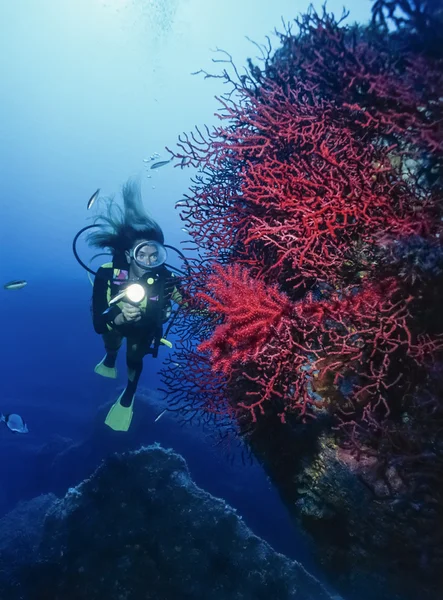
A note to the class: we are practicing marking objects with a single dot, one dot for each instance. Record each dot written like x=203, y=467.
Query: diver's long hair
x=121, y=228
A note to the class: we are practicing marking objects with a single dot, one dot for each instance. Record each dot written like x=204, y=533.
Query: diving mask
x=149, y=255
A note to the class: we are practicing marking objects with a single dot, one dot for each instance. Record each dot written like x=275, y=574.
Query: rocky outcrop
x=140, y=529
x=20, y=538
x=368, y=535
x=371, y=540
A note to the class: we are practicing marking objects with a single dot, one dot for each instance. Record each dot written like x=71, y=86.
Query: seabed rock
x=140, y=529
x=367, y=541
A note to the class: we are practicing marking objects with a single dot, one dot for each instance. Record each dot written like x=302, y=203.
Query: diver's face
x=147, y=255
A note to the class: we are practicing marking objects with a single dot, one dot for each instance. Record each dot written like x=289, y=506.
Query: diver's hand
x=129, y=314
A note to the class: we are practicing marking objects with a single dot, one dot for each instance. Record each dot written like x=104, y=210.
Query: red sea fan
x=251, y=313
x=328, y=150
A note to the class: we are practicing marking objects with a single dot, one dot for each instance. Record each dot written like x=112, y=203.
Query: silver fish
x=15, y=423
x=160, y=415
x=92, y=199
x=162, y=163
x=17, y=284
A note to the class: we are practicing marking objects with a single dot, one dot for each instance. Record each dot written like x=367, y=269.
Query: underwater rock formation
x=139, y=528
x=366, y=537
x=20, y=537
x=365, y=531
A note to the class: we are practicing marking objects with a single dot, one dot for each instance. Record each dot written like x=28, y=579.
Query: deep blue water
x=90, y=89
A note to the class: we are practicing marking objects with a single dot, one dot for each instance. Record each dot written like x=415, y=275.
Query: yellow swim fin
x=110, y=372
x=119, y=417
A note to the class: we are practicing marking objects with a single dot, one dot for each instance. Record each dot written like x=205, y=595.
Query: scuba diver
x=132, y=294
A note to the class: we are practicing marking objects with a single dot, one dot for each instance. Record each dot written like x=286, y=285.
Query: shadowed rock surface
x=139, y=528
x=365, y=539
x=20, y=537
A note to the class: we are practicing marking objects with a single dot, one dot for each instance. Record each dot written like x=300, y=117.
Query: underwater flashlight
x=134, y=293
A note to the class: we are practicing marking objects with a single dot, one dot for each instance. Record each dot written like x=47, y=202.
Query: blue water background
x=89, y=89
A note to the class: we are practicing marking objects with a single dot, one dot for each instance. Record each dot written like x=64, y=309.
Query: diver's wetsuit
x=161, y=287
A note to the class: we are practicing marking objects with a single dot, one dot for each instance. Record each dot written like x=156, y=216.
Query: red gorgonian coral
x=321, y=194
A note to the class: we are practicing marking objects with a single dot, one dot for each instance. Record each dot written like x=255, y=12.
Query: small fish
x=92, y=199
x=180, y=203
x=17, y=284
x=160, y=415
x=185, y=230
x=162, y=163
x=15, y=423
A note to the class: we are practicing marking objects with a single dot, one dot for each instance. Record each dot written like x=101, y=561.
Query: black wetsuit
x=161, y=287
x=159, y=295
